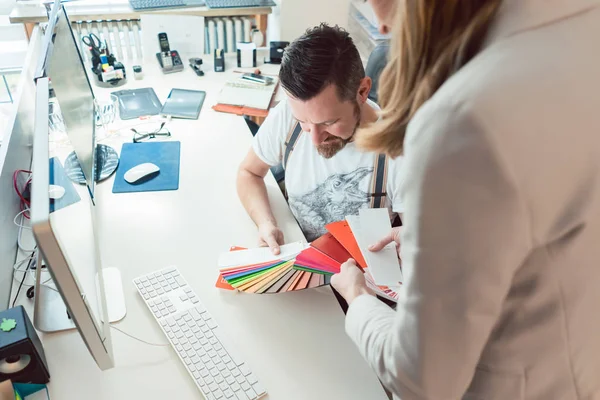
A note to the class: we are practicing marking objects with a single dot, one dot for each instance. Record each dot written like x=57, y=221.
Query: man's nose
x=318, y=135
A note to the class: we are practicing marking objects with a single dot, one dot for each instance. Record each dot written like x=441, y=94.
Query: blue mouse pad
x=165, y=155
x=59, y=177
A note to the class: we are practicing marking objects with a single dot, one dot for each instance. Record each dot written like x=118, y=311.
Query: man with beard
x=311, y=134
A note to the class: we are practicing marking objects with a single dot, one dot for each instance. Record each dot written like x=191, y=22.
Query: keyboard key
x=209, y=379
x=205, y=359
x=245, y=370
x=252, y=379
x=211, y=323
x=240, y=379
x=210, y=365
x=196, y=374
x=230, y=380
x=245, y=385
x=228, y=394
x=218, y=394
x=213, y=386
x=235, y=386
x=187, y=317
x=251, y=393
x=195, y=359
x=179, y=348
x=221, y=366
x=240, y=395
x=180, y=280
x=214, y=372
x=219, y=379
x=160, y=291
x=204, y=372
x=232, y=367
x=259, y=389
x=187, y=290
x=183, y=297
x=191, y=354
x=223, y=386
x=226, y=373
x=212, y=353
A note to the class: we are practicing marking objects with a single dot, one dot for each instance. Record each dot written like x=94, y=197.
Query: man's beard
x=333, y=144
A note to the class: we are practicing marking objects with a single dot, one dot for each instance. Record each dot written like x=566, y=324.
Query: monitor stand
x=50, y=312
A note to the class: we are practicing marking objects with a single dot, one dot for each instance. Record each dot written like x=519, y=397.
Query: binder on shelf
x=230, y=34
x=221, y=35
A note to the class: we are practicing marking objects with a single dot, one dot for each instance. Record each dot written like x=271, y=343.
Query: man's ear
x=364, y=89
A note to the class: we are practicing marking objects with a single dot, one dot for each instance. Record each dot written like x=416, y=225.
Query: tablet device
x=134, y=103
x=183, y=103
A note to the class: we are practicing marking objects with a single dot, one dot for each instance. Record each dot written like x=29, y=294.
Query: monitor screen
x=64, y=67
x=66, y=235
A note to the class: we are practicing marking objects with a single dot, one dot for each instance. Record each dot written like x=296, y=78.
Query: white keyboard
x=208, y=356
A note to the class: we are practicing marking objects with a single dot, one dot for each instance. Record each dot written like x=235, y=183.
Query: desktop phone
x=169, y=60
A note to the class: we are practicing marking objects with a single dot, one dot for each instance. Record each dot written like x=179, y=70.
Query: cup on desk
x=107, y=113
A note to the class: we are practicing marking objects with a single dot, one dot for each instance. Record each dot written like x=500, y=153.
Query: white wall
x=298, y=15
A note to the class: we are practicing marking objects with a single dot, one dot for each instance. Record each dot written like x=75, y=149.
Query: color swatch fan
x=259, y=271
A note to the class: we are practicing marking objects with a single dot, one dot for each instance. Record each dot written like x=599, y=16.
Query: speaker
x=22, y=357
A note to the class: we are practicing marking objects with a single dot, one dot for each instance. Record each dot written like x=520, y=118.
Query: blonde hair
x=432, y=39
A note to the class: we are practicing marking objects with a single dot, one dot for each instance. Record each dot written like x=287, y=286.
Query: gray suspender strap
x=378, y=184
x=290, y=142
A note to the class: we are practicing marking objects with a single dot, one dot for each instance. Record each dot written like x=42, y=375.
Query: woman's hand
x=350, y=282
x=393, y=236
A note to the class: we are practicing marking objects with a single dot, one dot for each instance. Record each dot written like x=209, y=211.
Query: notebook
x=249, y=95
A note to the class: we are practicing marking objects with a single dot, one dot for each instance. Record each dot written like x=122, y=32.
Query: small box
x=246, y=55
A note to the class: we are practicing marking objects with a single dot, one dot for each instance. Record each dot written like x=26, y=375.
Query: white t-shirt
x=320, y=190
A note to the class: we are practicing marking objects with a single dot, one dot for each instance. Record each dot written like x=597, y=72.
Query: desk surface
x=294, y=342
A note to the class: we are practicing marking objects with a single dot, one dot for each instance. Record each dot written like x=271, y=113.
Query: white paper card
x=370, y=226
x=260, y=255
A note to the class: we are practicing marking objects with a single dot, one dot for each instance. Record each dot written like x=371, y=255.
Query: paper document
x=370, y=226
x=260, y=255
x=246, y=94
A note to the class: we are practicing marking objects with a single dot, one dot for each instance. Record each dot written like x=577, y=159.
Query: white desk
x=294, y=342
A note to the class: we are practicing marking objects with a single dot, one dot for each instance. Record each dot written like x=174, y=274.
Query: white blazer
x=501, y=240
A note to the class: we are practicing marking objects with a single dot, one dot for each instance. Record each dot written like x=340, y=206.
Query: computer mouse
x=55, y=192
x=141, y=171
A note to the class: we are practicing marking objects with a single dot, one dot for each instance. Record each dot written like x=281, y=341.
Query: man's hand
x=393, y=236
x=350, y=282
x=269, y=235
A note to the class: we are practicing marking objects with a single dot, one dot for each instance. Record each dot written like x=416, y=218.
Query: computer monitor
x=67, y=241
x=62, y=63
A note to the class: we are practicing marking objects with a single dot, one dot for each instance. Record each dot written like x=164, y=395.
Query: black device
x=219, y=60
x=169, y=60
x=22, y=357
x=276, y=52
x=257, y=78
x=195, y=64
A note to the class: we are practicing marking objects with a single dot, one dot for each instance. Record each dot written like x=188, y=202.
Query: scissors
x=94, y=43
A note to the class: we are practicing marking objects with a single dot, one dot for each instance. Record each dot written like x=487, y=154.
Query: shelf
x=34, y=12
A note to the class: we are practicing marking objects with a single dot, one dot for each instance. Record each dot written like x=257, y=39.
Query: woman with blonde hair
x=495, y=107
